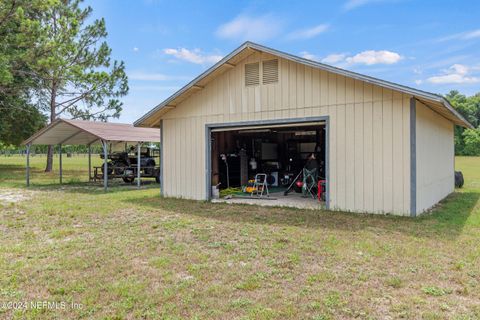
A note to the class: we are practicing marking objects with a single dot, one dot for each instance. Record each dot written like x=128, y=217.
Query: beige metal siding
x=369, y=154
x=434, y=158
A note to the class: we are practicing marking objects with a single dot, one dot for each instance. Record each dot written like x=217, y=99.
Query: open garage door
x=292, y=158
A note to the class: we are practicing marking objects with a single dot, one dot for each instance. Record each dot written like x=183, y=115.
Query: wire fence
x=23, y=153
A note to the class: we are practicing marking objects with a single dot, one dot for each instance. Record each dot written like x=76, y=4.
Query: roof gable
x=434, y=101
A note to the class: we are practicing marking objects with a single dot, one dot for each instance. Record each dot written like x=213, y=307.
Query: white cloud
x=371, y=57
x=135, y=49
x=353, y=4
x=334, y=58
x=471, y=34
x=308, y=33
x=245, y=27
x=456, y=74
x=467, y=35
x=309, y=56
x=418, y=82
x=146, y=76
x=194, y=56
x=417, y=71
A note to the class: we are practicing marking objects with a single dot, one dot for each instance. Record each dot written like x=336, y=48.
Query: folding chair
x=309, y=182
x=260, y=185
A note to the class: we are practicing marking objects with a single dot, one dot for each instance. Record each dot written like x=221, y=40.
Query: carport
x=80, y=132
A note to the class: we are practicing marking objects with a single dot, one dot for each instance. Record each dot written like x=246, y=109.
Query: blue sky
x=430, y=45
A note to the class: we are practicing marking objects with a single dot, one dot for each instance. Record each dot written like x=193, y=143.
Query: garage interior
x=242, y=157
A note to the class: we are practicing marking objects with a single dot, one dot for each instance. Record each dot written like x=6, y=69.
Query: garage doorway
x=280, y=150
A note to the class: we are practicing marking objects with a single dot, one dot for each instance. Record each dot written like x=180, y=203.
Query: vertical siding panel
x=176, y=165
x=201, y=151
x=180, y=153
x=284, y=76
x=175, y=142
x=238, y=95
x=341, y=156
x=315, y=87
x=166, y=160
x=387, y=151
x=196, y=166
x=377, y=150
x=278, y=100
x=231, y=93
x=271, y=97
x=169, y=153
x=358, y=91
x=406, y=153
x=226, y=98
x=341, y=90
x=367, y=92
x=187, y=146
x=292, y=105
x=350, y=90
x=263, y=92
x=191, y=173
x=397, y=153
x=332, y=89
x=167, y=157
x=217, y=96
x=333, y=143
x=300, y=90
x=350, y=175
x=323, y=77
x=358, y=162
x=308, y=92
x=368, y=155
x=359, y=146
x=308, y=87
x=316, y=90
x=250, y=95
x=292, y=70
x=257, y=101
x=324, y=88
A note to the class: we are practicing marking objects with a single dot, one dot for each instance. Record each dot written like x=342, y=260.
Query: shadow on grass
x=93, y=188
x=447, y=221
x=13, y=176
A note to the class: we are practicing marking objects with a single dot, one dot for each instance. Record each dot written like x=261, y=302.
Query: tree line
x=467, y=141
x=54, y=62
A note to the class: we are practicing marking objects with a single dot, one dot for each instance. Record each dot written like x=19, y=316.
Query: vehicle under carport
x=108, y=135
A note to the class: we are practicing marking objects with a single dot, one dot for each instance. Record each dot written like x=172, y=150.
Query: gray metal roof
x=456, y=117
x=80, y=132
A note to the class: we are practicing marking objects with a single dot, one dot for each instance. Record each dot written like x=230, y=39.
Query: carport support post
x=89, y=162
x=105, y=165
x=139, y=144
x=28, y=164
x=60, y=161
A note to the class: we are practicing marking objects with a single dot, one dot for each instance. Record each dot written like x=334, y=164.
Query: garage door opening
x=277, y=165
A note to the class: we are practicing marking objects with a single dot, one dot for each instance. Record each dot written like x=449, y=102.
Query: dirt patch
x=8, y=196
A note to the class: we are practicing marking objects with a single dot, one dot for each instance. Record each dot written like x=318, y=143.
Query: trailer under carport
x=80, y=132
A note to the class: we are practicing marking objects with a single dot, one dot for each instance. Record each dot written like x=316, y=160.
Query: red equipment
x=320, y=189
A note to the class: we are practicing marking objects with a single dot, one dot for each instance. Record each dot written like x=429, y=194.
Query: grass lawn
x=129, y=254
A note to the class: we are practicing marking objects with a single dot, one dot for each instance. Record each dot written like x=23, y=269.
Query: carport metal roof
x=63, y=131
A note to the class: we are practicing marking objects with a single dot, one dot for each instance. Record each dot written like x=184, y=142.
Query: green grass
x=129, y=254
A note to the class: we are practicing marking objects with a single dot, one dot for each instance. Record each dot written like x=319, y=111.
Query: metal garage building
x=387, y=148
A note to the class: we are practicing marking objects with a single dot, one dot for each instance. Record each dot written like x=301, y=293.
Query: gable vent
x=252, y=74
x=270, y=71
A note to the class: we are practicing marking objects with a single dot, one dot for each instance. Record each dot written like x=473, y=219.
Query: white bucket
x=215, y=192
